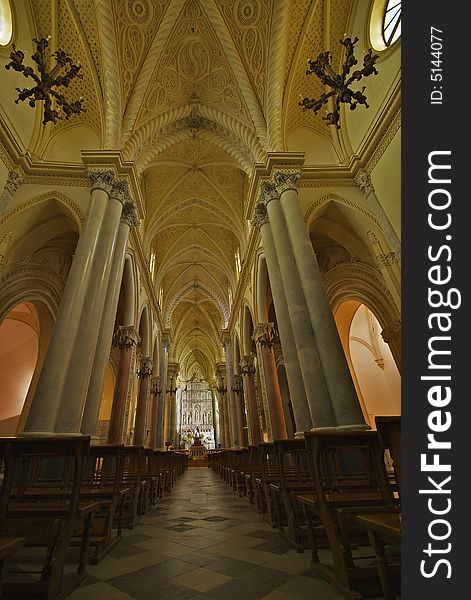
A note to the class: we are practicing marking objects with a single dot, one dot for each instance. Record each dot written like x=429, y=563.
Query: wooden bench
x=389, y=431
x=40, y=501
x=292, y=464
x=350, y=479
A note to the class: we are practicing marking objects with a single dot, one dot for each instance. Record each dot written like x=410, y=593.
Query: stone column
x=223, y=416
x=13, y=182
x=392, y=336
x=339, y=381
x=172, y=372
x=144, y=374
x=363, y=181
x=238, y=391
x=155, y=398
x=294, y=375
x=160, y=425
x=214, y=403
x=320, y=407
x=126, y=340
x=263, y=337
x=103, y=348
x=75, y=388
x=231, y=405
x=247, y=369
x=48, y=395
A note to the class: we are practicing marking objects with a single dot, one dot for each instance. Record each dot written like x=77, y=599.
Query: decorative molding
x=52, y=195
x=341, y=200
x=286, y=179
x=264, y=335
x=126, y=337
x=260, y=216
x=102, y=179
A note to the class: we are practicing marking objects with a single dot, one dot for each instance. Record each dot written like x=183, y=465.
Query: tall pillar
x=247, y=369
x=238, y=391
x=13, y=182
x=263, y=337
x=214, y=404
x=339, y=381
x=232, y=410
x=294, y=375
x=126, y=340
x=171, y=427
x=155, y=393
x=75, y=389
x=161, y=393
x=363, y=181
x=48, y=395
x=223, y=413
x=144, y=374
x=317, y=394
x=95, y=389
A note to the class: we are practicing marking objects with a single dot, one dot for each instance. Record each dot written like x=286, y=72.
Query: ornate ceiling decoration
x=194, y=92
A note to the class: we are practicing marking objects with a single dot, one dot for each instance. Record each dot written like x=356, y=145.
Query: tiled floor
x=203, y=543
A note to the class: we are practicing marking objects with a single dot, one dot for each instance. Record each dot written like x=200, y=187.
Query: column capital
x=220, y=369
x=156, y=386
x=260, y=215
x=267, y=192
x=166, y=340
x=172, y=369
x=120, y=191
x=14, y=180
x=128, y=215
x=126, y=337
x=391, y=332
x=226, y=340
x=247, y=365
x=102, y=179
x=263, y=334
x=286, y=179
x=145, y=367
x=237, y=385
x=363, y=181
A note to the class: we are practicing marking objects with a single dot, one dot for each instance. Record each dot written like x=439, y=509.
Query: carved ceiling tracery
x=184, y=88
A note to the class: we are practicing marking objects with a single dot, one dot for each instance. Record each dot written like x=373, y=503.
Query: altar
x=197, y=452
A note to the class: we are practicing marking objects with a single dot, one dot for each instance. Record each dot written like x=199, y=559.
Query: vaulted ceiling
x=194, y=92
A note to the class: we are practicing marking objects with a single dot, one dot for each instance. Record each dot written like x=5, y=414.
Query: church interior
x=200, y=304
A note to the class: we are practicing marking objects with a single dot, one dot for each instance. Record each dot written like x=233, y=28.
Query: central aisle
x=202, y=542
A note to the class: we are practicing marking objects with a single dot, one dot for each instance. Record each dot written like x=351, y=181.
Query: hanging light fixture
x=339, y=82
x=47, y=81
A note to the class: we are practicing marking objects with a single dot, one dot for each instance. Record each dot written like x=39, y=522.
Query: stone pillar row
x=247, y=369
x=308, y=332
x=81, y=332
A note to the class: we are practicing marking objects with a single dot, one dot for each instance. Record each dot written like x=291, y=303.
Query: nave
x=203, y=542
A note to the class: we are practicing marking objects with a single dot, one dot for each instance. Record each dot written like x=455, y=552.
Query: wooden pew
x=294, y=478
x=133, y=478
x=40, y=501
x=269, y=473
x=8, y=546
x=389, y=431
x=102, y=482
x=350, y=479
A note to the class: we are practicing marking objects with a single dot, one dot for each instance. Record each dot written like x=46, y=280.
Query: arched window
x=385, y=23
x=6, y=22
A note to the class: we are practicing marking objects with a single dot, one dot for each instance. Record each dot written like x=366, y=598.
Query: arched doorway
x=371, y=363
x=19, y=349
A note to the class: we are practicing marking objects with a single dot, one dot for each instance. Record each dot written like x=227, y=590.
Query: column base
x=94, y=440
x=299, y=435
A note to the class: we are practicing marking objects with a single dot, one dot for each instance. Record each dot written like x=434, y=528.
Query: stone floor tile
x=100, y=590
x=202, y=580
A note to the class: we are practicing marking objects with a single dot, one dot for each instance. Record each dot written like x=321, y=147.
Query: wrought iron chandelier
x=43, y=90
x=339, y=82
